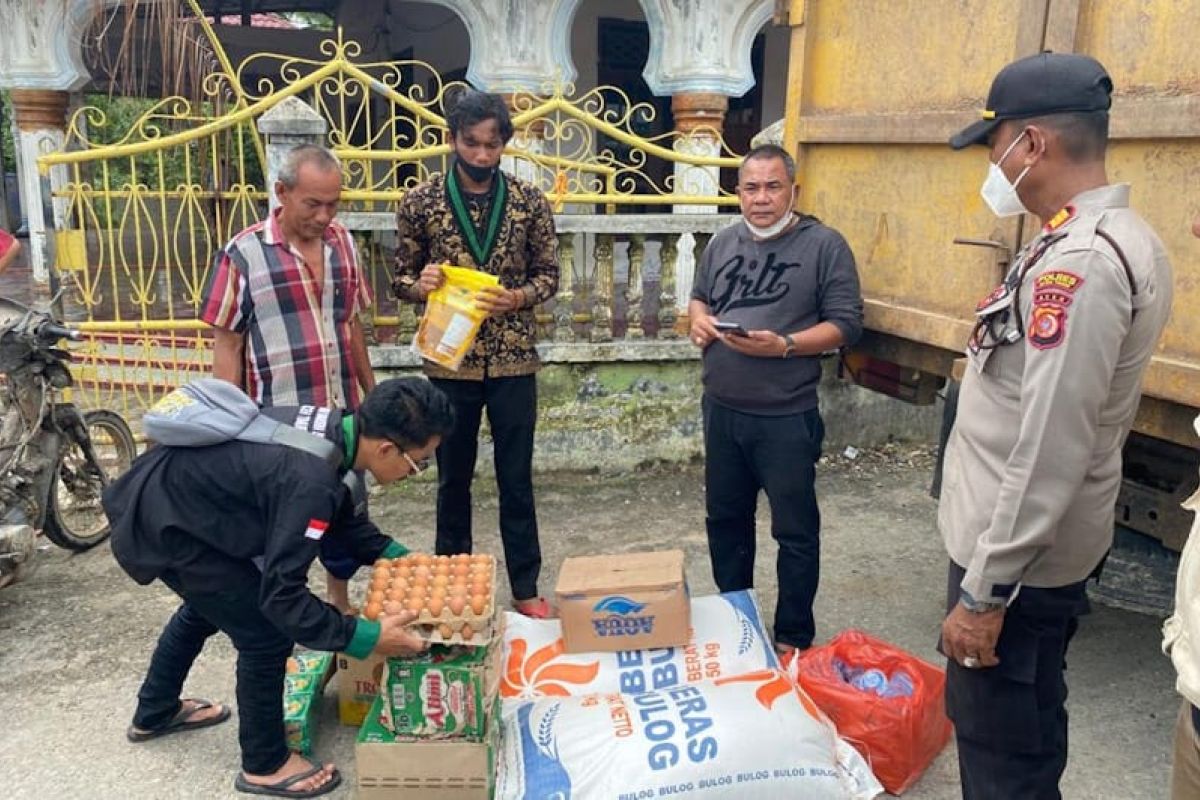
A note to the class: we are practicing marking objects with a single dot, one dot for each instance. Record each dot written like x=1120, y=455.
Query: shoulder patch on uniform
x=1047, y=326
x=1053, y=292
x=316, y=529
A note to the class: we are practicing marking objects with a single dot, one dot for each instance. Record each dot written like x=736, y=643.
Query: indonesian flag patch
x=316, y=529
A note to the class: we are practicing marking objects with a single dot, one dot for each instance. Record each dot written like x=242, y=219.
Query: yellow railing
x=147, y=207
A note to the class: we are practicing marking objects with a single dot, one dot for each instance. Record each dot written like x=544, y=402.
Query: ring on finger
x=971, y=662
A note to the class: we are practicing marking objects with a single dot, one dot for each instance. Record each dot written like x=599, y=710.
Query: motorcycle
x=55, y=460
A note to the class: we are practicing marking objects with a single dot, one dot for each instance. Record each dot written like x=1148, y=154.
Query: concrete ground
x=76, y=637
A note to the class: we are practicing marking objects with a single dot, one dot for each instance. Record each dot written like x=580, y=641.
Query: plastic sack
x=727, y=639
x=451, y=321
x=898, y=731
x=746, y=736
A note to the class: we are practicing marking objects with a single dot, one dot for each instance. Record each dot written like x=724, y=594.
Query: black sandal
x=182, y=721
x=283, y=787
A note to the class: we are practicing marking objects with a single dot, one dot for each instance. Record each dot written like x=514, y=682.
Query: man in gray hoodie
x=771, y=295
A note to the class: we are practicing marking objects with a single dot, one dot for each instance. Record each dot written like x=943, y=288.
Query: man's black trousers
x=511, y=405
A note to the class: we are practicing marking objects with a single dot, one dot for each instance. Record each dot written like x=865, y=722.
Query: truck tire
x=1139, y=575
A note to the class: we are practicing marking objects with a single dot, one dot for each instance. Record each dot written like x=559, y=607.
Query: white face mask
x=776, y=227
x=1000, y=195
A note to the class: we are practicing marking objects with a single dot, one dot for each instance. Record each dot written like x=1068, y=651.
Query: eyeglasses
x=417, y=466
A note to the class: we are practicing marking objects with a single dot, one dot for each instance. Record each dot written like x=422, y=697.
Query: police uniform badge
x=1053, y=293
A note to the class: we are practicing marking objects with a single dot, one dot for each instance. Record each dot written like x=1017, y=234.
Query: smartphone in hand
x=732, y=328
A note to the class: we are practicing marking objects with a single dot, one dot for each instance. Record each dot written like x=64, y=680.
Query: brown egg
x=393, y=607
x=415, y=604
x=422, y=571
x=377, y=596
x=402, y=572
x=372, y=610
x=480, y=585
x=478, y=603
x=480, y=558
x=435, y=606
x=467, y=631
x=395, y=593
x=456, y=605
x=419, y=580
x=460, y=570
x=421, y=559
x=441, y=581
x=458, y=591
x=381, y=576
x=446, y=631
x=441, y=569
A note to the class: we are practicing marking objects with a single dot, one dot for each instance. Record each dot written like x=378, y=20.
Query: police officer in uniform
x=1033, y=464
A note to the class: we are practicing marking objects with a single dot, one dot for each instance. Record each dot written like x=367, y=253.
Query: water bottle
x=900, y=685
x=871, y=680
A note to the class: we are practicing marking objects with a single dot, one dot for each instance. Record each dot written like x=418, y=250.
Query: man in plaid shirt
x=284, y=298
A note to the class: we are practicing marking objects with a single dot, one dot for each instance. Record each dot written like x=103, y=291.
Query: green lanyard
x=350, y=437
x=481, y=252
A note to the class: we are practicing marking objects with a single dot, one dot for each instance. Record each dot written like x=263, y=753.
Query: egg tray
x=468, y=616
x=483, y=635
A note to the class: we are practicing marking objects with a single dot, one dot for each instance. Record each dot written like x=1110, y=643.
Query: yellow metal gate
x=147, y=208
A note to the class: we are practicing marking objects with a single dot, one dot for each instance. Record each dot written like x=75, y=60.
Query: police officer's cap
x=1046, y=83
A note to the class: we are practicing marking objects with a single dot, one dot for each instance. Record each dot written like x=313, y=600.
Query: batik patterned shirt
x=524, y=256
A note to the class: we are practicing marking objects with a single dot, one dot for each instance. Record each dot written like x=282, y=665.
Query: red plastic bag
x=899, y=735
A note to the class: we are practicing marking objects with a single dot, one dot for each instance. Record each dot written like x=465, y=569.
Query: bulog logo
x=622, y=617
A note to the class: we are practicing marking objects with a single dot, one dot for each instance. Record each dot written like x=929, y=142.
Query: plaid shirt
x=297, y=343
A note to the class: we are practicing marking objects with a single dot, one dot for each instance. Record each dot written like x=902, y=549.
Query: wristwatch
x=977, y=606
x=789, y=346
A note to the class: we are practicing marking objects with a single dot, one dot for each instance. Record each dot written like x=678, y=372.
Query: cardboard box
x=630, y=601
x=443, y=693
x=358, y=686
x=388, y=768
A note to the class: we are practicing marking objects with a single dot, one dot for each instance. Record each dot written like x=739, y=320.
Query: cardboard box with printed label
x=453, y=769
x=358, y=686
x=630, y=601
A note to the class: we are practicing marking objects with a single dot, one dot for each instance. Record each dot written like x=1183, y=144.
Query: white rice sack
x=727, y=639
x=746, y=736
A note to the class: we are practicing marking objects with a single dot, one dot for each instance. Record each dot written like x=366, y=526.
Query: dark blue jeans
x=261, y=662
x=746, y=453
x=512, y=415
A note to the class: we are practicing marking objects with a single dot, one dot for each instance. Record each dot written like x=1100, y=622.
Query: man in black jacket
x=233, y=528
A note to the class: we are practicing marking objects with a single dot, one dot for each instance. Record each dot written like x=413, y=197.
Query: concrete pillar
x=289, y=124
x=529, y=139
x=41, y=116
x=517, y=45
x=699, y=117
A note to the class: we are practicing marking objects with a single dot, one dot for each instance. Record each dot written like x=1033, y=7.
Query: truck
x=875, y=89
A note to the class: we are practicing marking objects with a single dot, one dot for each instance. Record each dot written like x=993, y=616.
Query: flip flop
x=180, y=722
x=282, y=788
x=534, y=608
